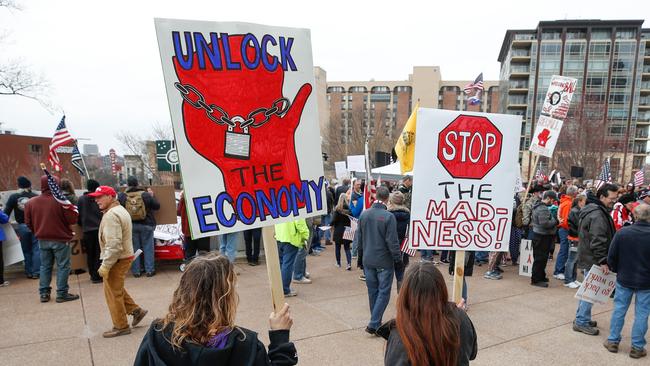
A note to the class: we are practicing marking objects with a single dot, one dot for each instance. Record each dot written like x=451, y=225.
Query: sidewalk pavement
x=516, y=323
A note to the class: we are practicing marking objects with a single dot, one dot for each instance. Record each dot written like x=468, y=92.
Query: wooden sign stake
x=459, y=273
x=273, y=266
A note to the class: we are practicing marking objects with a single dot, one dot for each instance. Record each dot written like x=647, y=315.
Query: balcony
x=645, y=87
x=519, y=71
x=518, y=87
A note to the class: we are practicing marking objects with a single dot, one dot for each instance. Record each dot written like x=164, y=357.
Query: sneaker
x=67, y=297
x=138, y=315
x=45, y=297
x=498, y=269
x=540, y=284
x=611, y=346
x=291, y=294
x=151, y=274
x=578, y=283
x=116, y=332
x=182, y=267
x=362, y=277
x=638, y=352
x=304, y=281
x=307, y=275
x=593, y=323
x=338, y=265
x=589, y=330
x=371, y=331
x=559, y=276
x=572, y=285
x=137, y=275
x=4, y=284
x=348, y=268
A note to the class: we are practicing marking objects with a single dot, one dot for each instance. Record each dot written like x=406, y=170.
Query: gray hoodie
x=544, y=223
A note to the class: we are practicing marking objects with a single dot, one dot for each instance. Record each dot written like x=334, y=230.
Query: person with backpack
x=141, y=204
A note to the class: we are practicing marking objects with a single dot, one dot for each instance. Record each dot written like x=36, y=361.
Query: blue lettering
x=218, y=205
x=240, y=209
x=286, y=199
x=186, y=63
x=212, y=50
x=249, y=38
x=202, y=212
x=285, y=53
x=318, y=190
x=271, y=66
x=265, y=203
x=230, y=65
x=300, y=195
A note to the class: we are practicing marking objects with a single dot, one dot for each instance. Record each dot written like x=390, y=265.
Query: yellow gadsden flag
x=405, y=146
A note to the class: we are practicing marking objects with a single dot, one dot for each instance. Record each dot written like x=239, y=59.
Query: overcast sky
x=102, y=60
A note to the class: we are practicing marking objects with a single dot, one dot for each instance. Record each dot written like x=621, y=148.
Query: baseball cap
x=103, y=191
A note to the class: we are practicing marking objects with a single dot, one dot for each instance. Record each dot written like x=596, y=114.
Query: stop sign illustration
x=469, y=147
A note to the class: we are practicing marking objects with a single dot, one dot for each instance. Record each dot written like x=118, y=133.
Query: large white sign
x=464, y=171
x=244, y=115
x=597, y=287
x=341, y=170
x=526, y=258
x=558, y=97
x=547, y=132
x=357, y=163
x=11, y=250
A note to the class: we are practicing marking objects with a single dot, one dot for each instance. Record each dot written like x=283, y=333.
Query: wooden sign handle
x=273, y=266
x=459, y=273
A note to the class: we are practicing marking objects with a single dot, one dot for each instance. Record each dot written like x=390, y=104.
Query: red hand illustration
x=272, y=161
x=543, y=137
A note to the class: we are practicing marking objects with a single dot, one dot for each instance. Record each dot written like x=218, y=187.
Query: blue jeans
x=300, y=264
x=52, y=251
x=622, y=301
x=427, y=254
x=31, y=252
x=228, y=245
x=583, y=314
x=143, y=239
x=570, y=269
x=482, y=256
x=287, y=254
x=562, y=255
x=379, y=282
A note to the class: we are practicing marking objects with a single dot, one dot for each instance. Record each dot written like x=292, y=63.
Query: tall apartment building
x=610, y=112
x=350, y=110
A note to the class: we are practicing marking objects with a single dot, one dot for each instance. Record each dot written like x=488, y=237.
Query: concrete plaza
x=517, y=324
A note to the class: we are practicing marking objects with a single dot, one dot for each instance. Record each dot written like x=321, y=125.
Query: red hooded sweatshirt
x=47, y=218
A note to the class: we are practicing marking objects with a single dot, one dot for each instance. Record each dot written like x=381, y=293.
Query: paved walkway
x=517, y=324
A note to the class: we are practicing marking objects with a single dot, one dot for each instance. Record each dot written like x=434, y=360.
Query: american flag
x=77, y=160
x=605, y=175
x=475, y=88
x=56, y=192
x=405, y=246
x=61, y=137
x=351, y=230
x=540, y=174
x=639, y=178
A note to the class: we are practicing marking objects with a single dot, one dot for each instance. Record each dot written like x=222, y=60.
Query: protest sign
x=547, y=132
x=597, y=286
x=167, y=212
x=11, y=250
x=245, y=122
x=558, y=97
x=168, y=232
x=519, y=183
x=464, y=171
x=78, y=260
x=341, y=170
x=357, y=163
x=526, y=258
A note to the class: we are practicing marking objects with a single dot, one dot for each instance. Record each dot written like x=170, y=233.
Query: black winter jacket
x=16, y=204
x=89, y=213
x=240, y=349
x=574, y=221
x=629, y=256
x=403, y=217
x=151, y=204
x=596, y=231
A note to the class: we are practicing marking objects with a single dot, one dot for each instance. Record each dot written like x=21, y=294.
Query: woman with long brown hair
x=429, y=330
x=200, y=329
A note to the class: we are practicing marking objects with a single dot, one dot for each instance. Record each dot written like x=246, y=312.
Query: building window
x=575, y=34
x=551, y=34
x=626, y=33
x=36, y=149
x=335, y=89
x=358, y=89
x=601, y=34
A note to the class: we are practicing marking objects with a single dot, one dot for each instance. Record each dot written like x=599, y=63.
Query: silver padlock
x=237, y=145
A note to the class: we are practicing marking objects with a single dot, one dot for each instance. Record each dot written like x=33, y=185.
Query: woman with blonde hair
x=341, y=220
x=200, y=329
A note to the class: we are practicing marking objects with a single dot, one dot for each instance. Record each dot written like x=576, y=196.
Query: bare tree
x=137, y=145
x=10, y=4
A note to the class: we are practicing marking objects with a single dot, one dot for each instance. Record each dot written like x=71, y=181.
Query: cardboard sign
x=244, y=115
x=78, y=258
x=547, y=132
x=519, y=183
x=526, y=258
x=464, y=171
x=597, y=287
x=357, y=163
x=341, y=170
x=167, y=213
x=558, y=97
x=169, y=231
x=12, y=252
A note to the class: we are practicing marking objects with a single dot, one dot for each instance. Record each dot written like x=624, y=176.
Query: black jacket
x=151, y=204
x=595, y=231
x=574, y=221
x=89, y=213
x=403, y=217
x=340, y=220
x=240, y=349
x=395, y=354
x=629, y=256
x=16, y=204
x=330, y=199
x=469, y=263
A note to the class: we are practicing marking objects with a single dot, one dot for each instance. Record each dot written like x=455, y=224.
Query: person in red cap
x=117, y=254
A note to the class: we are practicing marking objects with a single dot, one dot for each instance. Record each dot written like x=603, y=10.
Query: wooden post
x=530, y=177
x=273, y=266
x=459, y=274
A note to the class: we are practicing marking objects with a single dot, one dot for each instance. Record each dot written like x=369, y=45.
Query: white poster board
x=356, y=163
x=547, y=132
x=12, y=252
x=341, y=170
x=526, y=258
x=464, y=171
x=558, y=97
x=597, y=287
x=244, y=115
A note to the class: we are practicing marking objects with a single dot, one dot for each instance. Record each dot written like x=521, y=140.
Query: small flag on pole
x=56, y=191
x=405, y=248
x=61, y=138
x=474, y=90
x=405, y=146
x=77, y=160
x=540, y=174
x=351, y=230
x=639, y=178
x=605, y=175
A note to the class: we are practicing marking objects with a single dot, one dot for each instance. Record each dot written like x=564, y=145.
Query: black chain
x=256, y=118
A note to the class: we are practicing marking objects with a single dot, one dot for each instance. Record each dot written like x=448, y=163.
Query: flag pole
x=86, y=174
